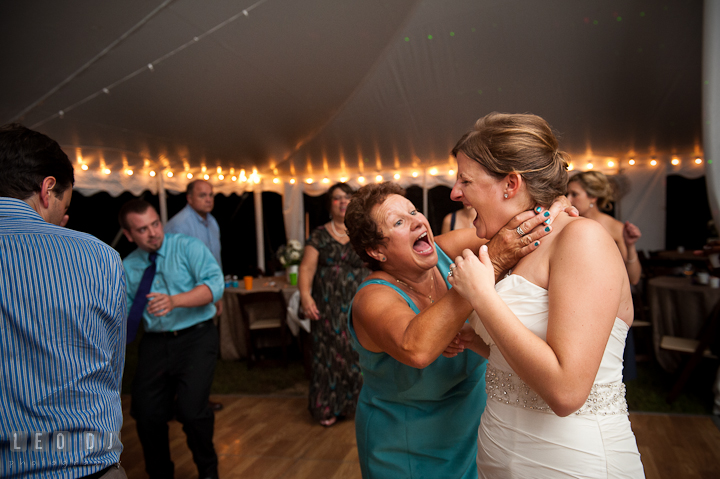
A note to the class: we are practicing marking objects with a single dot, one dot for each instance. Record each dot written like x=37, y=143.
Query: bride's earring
x=505, y=195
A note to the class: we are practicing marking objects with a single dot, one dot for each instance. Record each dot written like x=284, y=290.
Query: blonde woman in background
x=592, y=193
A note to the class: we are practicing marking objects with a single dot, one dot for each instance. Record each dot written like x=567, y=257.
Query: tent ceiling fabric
x=323, y=86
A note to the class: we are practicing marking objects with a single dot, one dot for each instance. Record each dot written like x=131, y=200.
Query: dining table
x=230, y=322
x=678, y=307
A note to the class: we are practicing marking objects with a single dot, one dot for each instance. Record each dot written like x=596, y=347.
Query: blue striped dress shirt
x=183, y=262
x=62, y=348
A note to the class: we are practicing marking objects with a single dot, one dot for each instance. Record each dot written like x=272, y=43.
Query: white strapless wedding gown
x=521, y=437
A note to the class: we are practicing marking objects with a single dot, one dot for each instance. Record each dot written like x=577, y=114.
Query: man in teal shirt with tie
x=173, y=281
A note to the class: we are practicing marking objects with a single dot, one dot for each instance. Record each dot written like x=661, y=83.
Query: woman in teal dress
x=417, y=415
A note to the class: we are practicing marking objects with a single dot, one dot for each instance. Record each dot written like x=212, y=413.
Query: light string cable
x=149, y=66
x=97, y=57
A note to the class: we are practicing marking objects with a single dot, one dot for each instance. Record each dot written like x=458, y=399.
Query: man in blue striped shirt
x=178, y=352
x=62, y=323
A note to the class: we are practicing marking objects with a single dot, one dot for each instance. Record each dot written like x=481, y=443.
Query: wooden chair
x=697, y=348
x=641, y=326
x=264, y=313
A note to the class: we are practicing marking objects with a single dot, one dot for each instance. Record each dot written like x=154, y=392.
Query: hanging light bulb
x=610, y=164
x=343, y=179
x=631, y=162
x=451, y=172
x=653, y=162
x=221, y=177
x=129, y=172
x=415, y=174
x=292, y=181
x=589, y=166
x=206, y=177
x=169, y=174
x=326, y=180
x=152, y=173
x=396, y=176
x=433, y=171
x=675, y=161
x=106, y=171
x=234, y=178
x=361, y=179
x=698, y=161
x=276, y=180
x=379, y=178
x=84, y=167
x=570, y=167
x=309, y=181
x=189, y=176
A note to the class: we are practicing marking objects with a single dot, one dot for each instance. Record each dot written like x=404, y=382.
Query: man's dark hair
x=27, y=158
x=137, y=205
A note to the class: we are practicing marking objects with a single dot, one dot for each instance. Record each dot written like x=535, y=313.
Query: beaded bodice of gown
x=529, y=302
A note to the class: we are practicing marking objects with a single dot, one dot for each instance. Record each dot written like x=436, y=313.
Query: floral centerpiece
x=291, y=253
x=290, y=256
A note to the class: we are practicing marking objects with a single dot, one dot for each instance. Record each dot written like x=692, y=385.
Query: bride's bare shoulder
x=583, y=234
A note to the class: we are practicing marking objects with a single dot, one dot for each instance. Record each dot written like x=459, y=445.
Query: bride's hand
x=472, y=276
x=462, y=340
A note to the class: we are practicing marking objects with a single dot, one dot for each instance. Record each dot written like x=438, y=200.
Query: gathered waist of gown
x=508, y=388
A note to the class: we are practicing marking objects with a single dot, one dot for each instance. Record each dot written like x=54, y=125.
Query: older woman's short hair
x=504, y=143
x=362, y=228
x=596, y=185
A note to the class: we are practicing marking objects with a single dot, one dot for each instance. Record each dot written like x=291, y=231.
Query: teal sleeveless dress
x=418, y=423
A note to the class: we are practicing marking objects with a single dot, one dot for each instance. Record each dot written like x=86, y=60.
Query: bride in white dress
x=556, y=325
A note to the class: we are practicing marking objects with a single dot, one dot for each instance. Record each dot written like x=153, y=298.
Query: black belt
x=97, y=475
x=180, y=332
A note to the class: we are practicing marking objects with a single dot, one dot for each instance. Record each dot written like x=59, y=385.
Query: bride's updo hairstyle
x=596, y=185
x=505, y=143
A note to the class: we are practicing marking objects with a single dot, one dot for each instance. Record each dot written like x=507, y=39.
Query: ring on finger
x=520, y=231
x=450, y=273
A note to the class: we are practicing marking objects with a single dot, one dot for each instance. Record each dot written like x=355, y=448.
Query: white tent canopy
x=275, y=90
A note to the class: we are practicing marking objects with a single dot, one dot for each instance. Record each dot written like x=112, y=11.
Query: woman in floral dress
x=330, y=273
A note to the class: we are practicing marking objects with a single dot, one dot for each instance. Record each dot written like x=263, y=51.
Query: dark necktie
x=140, y=301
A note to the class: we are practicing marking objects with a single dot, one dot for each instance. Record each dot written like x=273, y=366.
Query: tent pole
x=259, y=233
x=162, y=198
x=425, y=193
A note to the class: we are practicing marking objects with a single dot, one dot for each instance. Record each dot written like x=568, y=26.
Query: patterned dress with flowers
x=336, y=380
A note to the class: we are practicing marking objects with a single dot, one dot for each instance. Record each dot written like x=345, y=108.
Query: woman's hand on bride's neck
x=507, y=247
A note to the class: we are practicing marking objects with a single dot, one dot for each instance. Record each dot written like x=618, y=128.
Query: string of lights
x=243, y=176
x=149, y=67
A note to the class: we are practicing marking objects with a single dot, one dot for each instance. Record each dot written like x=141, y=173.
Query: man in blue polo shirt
x=62, y=323
x=195, y=218
x=172, y=282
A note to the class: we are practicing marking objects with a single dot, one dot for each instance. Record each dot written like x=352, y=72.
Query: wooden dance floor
x=274, y=437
